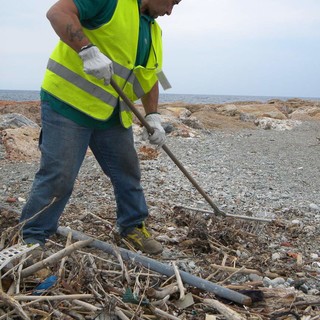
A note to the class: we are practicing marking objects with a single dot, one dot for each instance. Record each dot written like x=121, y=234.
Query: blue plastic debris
x=43, y=286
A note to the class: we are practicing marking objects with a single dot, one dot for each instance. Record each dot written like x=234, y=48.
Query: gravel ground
x=264, y=173
x=260, y=172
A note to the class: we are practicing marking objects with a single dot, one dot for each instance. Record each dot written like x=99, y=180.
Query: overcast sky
x=220, y=47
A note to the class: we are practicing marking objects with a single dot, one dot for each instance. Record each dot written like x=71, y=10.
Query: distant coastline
x=33, y=95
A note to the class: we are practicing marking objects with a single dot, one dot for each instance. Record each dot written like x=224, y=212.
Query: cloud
x=210, y=46
x=243, y=19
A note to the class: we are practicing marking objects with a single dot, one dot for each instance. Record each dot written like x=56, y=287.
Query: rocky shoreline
x=254, y=159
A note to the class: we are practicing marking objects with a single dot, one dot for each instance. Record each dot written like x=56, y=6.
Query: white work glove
x=159, y=135
x=96, y=64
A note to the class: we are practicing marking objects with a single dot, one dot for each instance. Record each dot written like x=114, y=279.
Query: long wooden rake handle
x=150, y=130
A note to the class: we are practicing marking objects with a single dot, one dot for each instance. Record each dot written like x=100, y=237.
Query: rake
x=216, y=211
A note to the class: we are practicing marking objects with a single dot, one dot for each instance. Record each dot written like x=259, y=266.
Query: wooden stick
x=61, y=269
x=125, y=273
x=227, y=312
x=162, y=302
x=87, y=305
x=22, y=223
x=54, y=258
x=53, y=298
x=232, y=274
x=106, y=222
x=246, y=285
x=120, y=314
x=164, y=314
x=179, y=281
x=163, y=292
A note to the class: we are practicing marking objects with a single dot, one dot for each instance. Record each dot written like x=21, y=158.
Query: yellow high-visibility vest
x=118, y=40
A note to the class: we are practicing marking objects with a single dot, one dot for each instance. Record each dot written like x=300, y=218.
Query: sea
x=32, y=95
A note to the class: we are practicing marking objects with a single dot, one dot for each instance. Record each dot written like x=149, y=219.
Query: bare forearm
x=64, y=19
x=151, y=99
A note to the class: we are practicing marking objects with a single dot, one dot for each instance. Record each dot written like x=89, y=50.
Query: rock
x=314, y=208
x=178, y=112
x=306, y=113
x=276, y=256
x=192, y=122
x=274, y=124
x=296, y=222
x=261, y=111
x=29, y=109
x=168, y=127
x=229, y=110
x=21, y=143
x=267, y=282
x=15, y=120
x=248, y=117
x=255, y=277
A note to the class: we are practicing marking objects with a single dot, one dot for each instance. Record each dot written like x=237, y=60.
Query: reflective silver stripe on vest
x=124, y=106
x=82, y=83
x=137, y=89
x=93, y=89
x=130, y=77
x=121, y=71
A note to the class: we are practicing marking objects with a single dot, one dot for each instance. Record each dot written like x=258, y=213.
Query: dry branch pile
x=87, y=283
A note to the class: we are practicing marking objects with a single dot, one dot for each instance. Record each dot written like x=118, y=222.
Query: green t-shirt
x=93, y=14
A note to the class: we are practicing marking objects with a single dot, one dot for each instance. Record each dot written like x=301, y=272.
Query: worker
x=100, y=40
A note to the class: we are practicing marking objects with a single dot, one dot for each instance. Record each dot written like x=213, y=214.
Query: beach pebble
x=314, y=256
x=314, y=208
x=276, y=256
x=267, y=282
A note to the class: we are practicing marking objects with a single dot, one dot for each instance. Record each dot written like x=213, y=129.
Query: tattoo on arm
x=74, y=34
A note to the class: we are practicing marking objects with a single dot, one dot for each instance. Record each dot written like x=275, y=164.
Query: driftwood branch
x=162, y=293
x=54, y=258
x=227, y=312
x=163, y=314
x=163, y=268
x=179, y=281
x=61, y=269
x=54, y=298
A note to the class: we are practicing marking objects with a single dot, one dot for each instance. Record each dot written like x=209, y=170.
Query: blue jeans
x=63, y=145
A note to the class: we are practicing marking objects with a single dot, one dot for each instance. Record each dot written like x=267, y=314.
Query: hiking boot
x=142, y=240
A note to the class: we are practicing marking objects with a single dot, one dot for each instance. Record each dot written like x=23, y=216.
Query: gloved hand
x=96, y=64
x=159, y=135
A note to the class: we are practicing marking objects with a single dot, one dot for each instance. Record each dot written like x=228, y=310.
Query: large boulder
x=306, y=113
x=21, y=143
x=15, y=120
x=256, y=111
